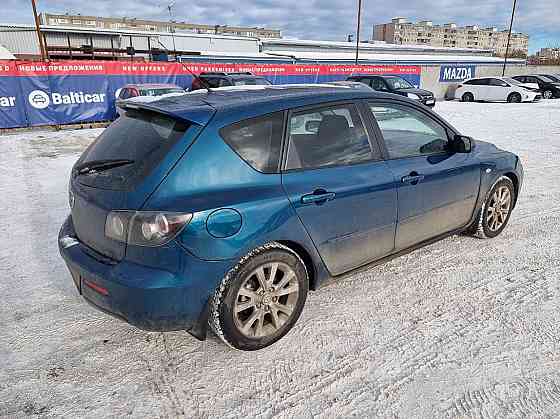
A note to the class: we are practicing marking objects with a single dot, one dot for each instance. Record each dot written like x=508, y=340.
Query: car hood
x=416, y=91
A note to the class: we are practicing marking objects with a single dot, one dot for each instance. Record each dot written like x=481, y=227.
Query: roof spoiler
x=199, y=114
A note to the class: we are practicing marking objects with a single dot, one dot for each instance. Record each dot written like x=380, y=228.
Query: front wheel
x=496, y=209
x=260, y=299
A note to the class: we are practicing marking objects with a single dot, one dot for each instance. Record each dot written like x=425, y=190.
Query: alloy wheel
x=498, y=208
x=266, y=300
x=547, y=94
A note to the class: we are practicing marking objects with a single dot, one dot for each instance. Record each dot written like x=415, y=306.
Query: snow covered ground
x=462, y=328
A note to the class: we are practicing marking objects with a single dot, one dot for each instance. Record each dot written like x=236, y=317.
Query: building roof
x=373, y=46
x=366, y=57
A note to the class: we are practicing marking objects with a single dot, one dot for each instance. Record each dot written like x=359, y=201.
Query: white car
x=145, y=93
x=496, y=89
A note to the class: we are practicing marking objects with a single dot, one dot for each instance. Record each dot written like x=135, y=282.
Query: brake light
x=145, y=228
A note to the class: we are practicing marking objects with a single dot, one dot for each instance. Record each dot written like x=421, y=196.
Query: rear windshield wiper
x=96, y=166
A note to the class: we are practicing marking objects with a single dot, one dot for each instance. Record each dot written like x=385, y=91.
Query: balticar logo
x=41, y=100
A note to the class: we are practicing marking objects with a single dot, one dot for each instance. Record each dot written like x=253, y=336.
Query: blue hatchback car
x=224, y=207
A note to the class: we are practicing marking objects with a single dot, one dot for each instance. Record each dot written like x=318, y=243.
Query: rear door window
x=141, y=137
x=328, y=136
x=257, y=141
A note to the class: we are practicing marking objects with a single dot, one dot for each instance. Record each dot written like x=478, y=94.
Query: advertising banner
x=67, y=92
x=12, y=113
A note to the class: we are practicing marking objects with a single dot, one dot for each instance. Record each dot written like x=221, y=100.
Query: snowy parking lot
x=461, y=328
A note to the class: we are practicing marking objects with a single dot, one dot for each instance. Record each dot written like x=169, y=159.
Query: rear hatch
x=124, y=165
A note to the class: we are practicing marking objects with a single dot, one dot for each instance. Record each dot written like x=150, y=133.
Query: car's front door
x=437, y=189
x=342, y=191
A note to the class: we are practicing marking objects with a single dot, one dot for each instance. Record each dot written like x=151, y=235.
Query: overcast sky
x=316, y=19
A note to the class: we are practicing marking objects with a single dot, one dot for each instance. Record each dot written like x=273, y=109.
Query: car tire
x=467, y=97
x=247, y=316
x=514, y=98
x=489, y=222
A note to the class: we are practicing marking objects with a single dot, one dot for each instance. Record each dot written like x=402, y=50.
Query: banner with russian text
x=67, y=92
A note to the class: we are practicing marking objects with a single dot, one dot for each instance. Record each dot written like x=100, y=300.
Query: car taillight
x=145, y=228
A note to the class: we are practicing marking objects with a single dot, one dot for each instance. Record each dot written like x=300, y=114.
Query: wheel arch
x=305, y=256
x=515, y=180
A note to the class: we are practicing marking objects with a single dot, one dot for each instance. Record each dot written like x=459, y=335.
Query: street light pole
x=38, y=29
x=509, y=37
x=358, y=30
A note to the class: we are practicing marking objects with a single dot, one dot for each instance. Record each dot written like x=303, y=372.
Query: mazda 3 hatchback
x=224, y=208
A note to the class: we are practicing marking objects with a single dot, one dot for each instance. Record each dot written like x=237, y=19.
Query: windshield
x=555, y=79
x=512, y=81
x=546, y=79
x=129, y=149
x=251, y=81
x=397, y=83
x=160, y=91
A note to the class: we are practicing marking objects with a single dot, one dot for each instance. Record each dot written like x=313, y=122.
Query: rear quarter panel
x=211, y=177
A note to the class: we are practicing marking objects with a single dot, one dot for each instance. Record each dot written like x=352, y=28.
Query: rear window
x=257, y=141
x=142, y=137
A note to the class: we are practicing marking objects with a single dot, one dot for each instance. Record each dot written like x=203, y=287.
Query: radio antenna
x=203, y=82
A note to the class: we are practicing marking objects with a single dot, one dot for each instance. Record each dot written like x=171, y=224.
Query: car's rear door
x=498, y=90
x=437, y=189
x=342, y=191
x=480, y=89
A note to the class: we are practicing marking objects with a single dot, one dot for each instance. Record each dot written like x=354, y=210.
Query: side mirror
x=312, y=126
x=461, y=144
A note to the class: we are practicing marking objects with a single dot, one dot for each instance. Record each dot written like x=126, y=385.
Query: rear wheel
x=260, y=299
x=467, y=97
x=496, y=209
x=514, y=98
x=547, y=94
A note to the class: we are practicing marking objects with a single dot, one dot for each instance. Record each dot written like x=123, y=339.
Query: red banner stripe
x=119, y=68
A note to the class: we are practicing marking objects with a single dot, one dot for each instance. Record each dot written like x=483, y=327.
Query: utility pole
x=358, y=30
x=169, y=7
x=509, y=37
x=38, y=29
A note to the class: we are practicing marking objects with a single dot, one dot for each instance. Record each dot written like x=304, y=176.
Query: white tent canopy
x=5, y=54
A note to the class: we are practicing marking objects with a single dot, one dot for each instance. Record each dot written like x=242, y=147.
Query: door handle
x=413, y=178
x=318, y=197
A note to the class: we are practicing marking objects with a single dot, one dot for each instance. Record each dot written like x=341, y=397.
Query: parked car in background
x=495, y=89
x=553, y=77
x=220, y=79
x=396, y=85
x=225, y=208
x=145, y=93
x=550, y=89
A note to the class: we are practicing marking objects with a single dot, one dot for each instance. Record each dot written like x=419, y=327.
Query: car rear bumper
x=149, y=298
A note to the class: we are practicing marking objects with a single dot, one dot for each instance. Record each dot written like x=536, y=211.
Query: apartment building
x=549, y=54
x=400, y=31
x=127, y=23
